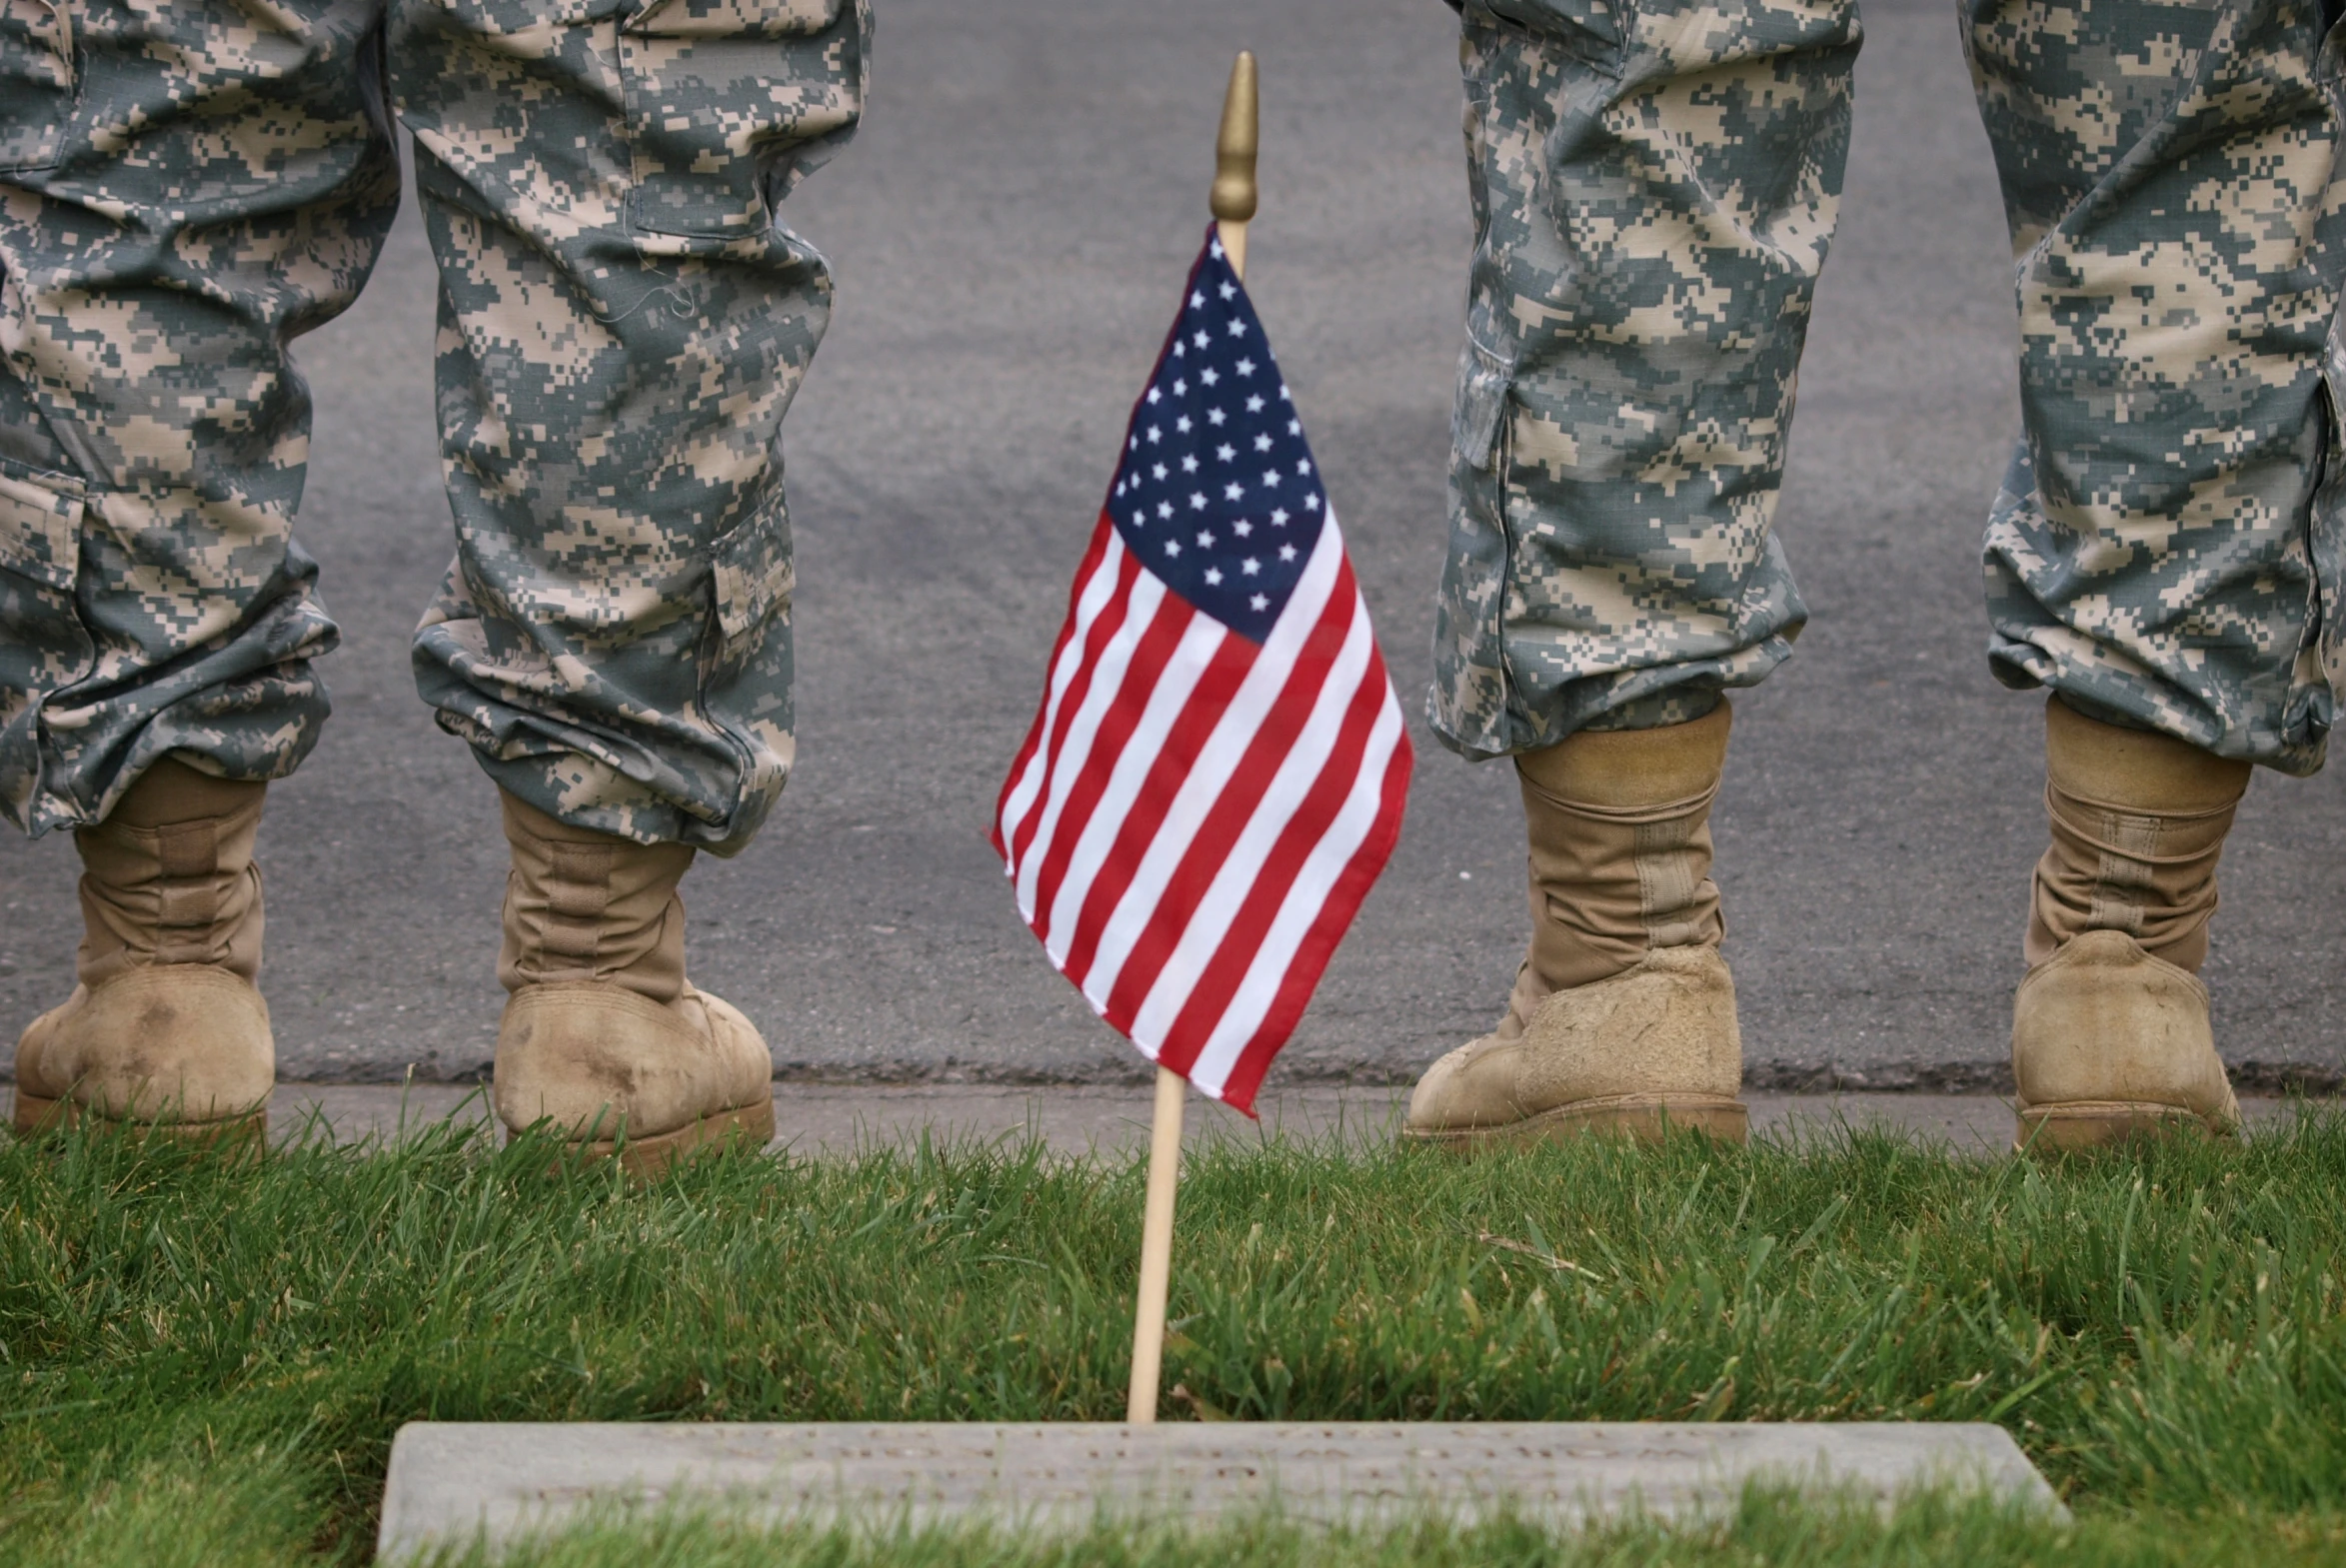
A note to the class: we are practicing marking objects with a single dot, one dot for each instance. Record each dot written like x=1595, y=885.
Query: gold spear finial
x=1234, y=161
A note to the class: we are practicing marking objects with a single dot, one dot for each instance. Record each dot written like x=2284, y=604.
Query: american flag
x=1216, y=772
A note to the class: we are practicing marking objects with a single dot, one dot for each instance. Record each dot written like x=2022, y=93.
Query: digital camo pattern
x=183, y=190
x=622, y=327
x=1654, y=189
x=2171, y=176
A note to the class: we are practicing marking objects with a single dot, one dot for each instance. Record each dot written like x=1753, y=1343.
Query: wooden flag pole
x=1234, y=205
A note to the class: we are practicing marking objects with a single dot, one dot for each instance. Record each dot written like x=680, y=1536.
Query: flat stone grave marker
x=452, y=1482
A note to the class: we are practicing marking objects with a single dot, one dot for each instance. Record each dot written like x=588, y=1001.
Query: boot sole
x=1643, y=1118
x=36, y=1114
x=749, y=1127
x=2090, y=1124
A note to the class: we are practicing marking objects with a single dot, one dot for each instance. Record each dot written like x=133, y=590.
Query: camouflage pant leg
x=2171, y=176
x=622, y=327
x=183, y=190
x=1654, y=186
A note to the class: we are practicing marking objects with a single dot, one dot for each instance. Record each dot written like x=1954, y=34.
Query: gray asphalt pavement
x=1009, y=234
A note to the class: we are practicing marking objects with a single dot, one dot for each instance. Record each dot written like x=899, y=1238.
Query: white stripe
x=1108, y=676
x=1306, y=761
x=1091, y=600
x=1195, y=650
x=1329, y=859
x=1224, y=748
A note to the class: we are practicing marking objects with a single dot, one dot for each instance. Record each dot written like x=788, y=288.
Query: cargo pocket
x=43, y=644
x=751, y=579
x=1483, y=379
x=37, y=81
x=731, y=102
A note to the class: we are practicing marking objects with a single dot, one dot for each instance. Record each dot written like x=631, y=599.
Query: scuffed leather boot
x=1623, y=1014
x=165, y=1029
x=603, y=1035
x=2110, y=1031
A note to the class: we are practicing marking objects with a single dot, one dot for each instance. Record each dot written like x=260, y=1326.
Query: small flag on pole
x=1216, y=772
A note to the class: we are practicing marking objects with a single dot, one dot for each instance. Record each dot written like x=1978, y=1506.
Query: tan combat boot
x=1623, y=1014
x=2110, y=1031
x=165, y=1029
x=603, y=1035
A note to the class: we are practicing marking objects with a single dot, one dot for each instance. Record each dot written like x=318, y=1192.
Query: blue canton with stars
x=1218, y=494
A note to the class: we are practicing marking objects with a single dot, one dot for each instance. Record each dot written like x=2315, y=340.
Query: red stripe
x=1109, y=622
x=1183, y=740
x=1092, y=556
x=1231, y=810
x=1209, y=995
x=1150, y=657
x=1319, y=943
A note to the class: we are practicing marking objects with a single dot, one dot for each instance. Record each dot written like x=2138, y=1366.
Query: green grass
x=202, y=1363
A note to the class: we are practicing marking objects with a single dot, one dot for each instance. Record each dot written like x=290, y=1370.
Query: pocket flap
x=735, y=18
x=40, y=532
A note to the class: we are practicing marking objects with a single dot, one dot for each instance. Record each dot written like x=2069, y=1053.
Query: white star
x=1286, y=552
x=1310, y=503
x=1155, y=396
x=1225, y=452
x=1135, y=442
x=1213, y=416
x=1188, y=461
x=1283, y=386
x=1213, y=249
x=1197, y=501
x=1302, y=465
x=1237, y=329
x=1205, y=540
x=1172, y=547
x=1181, y=388
x=1198, y=298
x=1260, y=601
x=1253, y=405
x=1154, y=434
x=1119, y=489
x=1294, y=427
x=1262, y=442
x=1232, y=491
x=1208, y=375
x=1228, y=292
x=1244, y=366
x=1164, y=508
x=1199, y=338
x=1157, y=470
x=1182, y=423
x=1271, y=477
x=1279, y=517
x=1178, y=350
x=1249, y=566
x=1214, y=576
x=1242, y=527
x=1140, y=520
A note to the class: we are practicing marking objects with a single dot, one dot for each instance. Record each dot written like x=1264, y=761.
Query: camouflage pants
x=1655, y=186
x=186, y=188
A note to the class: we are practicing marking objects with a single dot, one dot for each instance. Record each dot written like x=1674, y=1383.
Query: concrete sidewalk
x=835, y=1120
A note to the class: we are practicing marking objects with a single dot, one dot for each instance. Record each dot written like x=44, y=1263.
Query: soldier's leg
x=183, y=190
x=1655, y=186
x=623, y=323
x=2159, y=554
